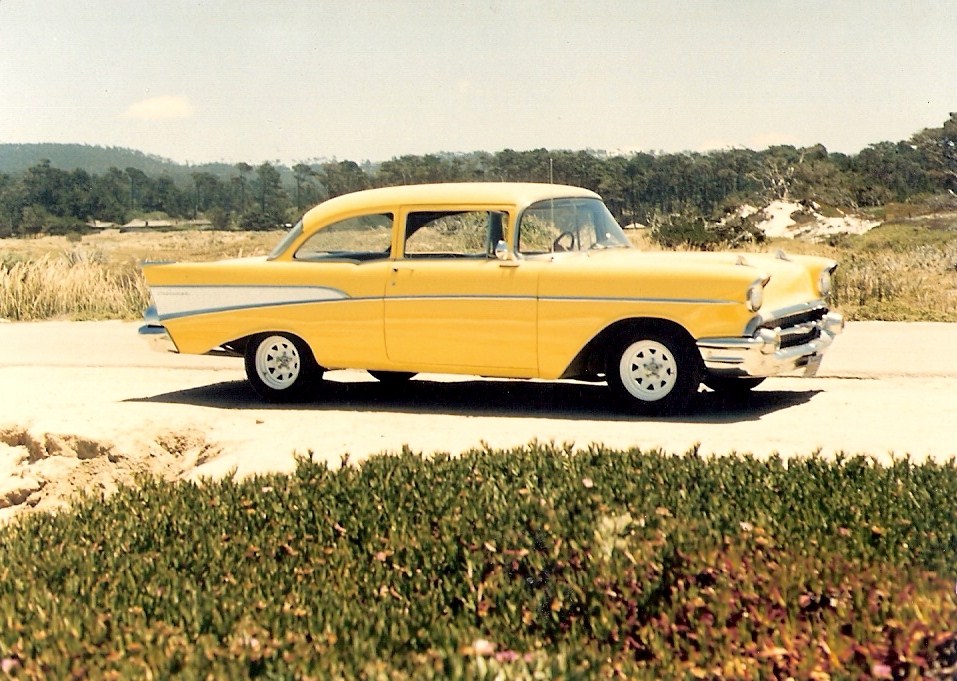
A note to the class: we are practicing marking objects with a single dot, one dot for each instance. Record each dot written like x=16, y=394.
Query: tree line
x=637, y=187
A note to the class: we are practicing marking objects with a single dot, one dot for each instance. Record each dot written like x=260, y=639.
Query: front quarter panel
x=580, y=297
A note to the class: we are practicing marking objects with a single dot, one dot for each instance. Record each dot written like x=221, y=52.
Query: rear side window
x=364, y=237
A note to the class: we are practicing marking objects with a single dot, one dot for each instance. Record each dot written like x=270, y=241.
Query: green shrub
x=530, y=563
x=688, y=228
x=685, y=228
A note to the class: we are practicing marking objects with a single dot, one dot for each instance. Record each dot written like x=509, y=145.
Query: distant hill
x=15, y=158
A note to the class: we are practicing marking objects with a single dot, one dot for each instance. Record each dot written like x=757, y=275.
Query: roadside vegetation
x=530, y=563
x=98, y=276
x=897, y=272
x=903, y=270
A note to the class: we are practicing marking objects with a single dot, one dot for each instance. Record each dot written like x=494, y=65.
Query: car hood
x=697, y=259
x=791, y=279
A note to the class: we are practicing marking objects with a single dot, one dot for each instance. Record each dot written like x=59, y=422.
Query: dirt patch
x=45, y=471
x=39, y=448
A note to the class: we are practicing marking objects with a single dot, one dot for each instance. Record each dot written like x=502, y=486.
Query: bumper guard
x=762, y=355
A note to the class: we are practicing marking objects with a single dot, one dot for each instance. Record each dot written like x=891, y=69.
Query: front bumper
x=155, y=333
x=762, y=355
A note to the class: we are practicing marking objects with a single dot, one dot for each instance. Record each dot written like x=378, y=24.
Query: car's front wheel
x=653, y=372
x=280, y=366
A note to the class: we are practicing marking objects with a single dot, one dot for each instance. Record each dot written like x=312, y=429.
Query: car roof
x=513, y=193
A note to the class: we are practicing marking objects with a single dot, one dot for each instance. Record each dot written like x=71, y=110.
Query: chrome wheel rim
x=277, y=362
x=648, y=370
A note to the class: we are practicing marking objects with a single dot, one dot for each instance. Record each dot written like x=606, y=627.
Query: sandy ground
x=85, y=406
x=778, y=222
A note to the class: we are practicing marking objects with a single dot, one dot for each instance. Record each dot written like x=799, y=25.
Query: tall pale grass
x=918, y=282
x=65, y=286
x=96, y=276
x=914, y=285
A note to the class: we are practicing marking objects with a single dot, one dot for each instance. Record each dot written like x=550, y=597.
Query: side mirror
x=501, y=250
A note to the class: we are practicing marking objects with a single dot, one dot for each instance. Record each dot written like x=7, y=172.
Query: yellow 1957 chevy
x=495, y=279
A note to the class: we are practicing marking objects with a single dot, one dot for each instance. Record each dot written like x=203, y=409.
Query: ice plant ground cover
x=536, y=562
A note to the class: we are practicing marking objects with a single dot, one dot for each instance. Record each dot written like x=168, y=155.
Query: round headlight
x=756, y=296
x=824, y=283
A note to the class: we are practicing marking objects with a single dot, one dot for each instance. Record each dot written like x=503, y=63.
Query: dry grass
x=895, y=272
x=55, y=286
x=890, y=275
x=114, y=246
x=910, y=286
x=98, y=276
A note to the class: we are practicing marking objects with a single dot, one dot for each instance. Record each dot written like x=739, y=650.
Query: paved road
x=884, y=388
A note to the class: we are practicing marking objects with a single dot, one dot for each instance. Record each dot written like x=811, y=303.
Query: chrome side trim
x=181, y=301
x=568, y=299
x=613, y=299
x=174, y=302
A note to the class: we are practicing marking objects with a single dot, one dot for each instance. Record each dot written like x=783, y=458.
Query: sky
x=198, y=81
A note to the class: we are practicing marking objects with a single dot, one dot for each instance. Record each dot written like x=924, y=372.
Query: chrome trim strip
x=187, y=300
x=569, y=299
x=613, y=299
x=264, y=306
x=455, y=297
x=180, y=301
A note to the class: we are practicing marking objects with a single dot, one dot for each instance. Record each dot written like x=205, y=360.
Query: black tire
x=653, y=371
x=731, y=386
x=280, y=367
x=391, y=377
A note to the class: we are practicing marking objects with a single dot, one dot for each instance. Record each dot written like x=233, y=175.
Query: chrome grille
x=798, y=328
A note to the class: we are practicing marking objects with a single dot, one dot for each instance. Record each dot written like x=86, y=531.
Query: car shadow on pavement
x=481, y=397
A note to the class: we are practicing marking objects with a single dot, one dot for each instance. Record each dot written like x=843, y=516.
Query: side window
x=365, y=237
x=436, y=234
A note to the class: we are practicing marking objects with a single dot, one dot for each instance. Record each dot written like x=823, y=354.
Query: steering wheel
x=557, y=244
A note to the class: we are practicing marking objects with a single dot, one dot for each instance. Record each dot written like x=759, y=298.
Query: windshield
x=558, y=225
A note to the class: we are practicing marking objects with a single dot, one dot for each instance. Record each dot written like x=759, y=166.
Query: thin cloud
x=160, y=109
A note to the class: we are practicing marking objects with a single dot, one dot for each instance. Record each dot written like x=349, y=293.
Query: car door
x=349, y=262
x=450, y=305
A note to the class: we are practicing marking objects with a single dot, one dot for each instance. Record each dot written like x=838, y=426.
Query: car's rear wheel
x=391, y=377
x=653, y=371
x=280, y=366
